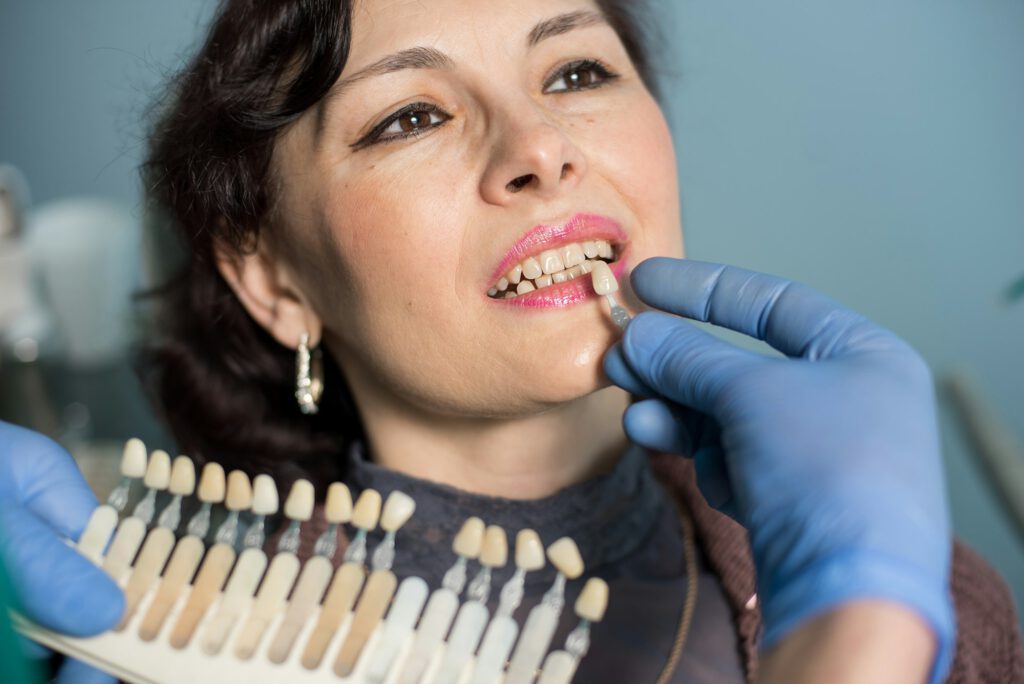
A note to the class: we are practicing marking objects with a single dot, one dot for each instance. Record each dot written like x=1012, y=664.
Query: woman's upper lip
x=544, y=236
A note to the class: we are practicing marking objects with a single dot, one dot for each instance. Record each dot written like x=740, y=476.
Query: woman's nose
x=532, y=157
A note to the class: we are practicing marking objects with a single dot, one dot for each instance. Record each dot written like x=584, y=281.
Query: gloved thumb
x=57, y=587
x=669, y=428
x=682, y=363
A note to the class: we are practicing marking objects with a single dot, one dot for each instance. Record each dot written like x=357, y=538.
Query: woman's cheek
x=640, y=156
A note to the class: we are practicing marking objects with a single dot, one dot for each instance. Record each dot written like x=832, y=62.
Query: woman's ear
x=268, y=292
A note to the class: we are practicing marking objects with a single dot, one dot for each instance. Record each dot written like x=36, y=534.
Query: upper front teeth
x=551, y=267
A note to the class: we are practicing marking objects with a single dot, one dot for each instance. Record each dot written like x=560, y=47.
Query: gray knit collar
x=608, y=516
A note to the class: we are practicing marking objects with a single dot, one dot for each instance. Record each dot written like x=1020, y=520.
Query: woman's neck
x=520, y=458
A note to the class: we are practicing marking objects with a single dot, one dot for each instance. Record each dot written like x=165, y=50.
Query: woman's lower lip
x=564, y=294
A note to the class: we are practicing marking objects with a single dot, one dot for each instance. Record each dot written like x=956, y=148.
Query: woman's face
x=418, y=183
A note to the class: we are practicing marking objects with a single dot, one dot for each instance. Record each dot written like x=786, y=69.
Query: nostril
x=519, y=183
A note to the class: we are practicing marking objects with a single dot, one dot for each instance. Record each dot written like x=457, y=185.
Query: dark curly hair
x=223, y=384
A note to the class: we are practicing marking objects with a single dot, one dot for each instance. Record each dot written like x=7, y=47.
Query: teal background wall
x=872, y=149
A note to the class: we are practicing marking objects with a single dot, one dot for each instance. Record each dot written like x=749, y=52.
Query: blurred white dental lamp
x=14, y=293
x=84, y=255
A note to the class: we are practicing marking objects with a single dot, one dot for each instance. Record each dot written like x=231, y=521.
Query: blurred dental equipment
x=68, y=269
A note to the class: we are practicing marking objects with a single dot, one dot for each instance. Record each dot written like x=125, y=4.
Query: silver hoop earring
x=309, y=377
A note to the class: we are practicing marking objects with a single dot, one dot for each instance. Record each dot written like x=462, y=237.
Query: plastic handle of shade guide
x=284, y=568
x=182, y=566
x=437, y=618
x=559, y=668
x=341, y=596
x=537, y=633
x=155, y=552
x=465, y=636
x=209, y=582
x=126, y=544
x=380, y=587
x=238, y=597
x=305, y=598
x=494, y=649
x=98, y=532
x=405, y=609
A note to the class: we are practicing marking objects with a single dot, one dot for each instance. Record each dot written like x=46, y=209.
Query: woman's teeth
x=551, y=268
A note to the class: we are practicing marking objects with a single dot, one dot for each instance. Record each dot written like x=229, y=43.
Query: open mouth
x=554, y=267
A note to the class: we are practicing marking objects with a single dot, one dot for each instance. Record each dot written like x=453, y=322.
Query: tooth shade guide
x=184, y=626
x=236, y=600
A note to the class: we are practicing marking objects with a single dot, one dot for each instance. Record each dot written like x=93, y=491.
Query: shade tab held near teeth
x=603, y=279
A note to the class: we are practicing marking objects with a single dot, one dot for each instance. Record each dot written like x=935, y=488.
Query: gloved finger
x=56, y=586
x=619, y=372
x=657, y=425
x=684, y=364
x=77, y=672
x=46, y=481
x=793, y=318
x=674, y=429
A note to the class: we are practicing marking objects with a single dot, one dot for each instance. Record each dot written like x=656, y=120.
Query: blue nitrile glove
x=830, y=457
x=43, y=498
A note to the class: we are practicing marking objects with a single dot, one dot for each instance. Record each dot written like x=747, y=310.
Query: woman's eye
x=407, y=122
x=584, y=74
x=413, y=121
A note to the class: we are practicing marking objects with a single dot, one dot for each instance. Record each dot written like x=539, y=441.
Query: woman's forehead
x=380, y=27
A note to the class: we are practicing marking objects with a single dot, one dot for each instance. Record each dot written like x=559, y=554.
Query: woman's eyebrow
x=411, y=58
x=564, y=23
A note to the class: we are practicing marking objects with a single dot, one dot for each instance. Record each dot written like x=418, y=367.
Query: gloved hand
x=830, y=457
x=43, y=498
